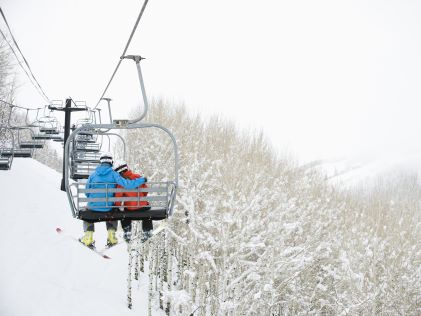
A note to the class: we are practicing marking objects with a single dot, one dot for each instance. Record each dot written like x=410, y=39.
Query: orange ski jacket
x=132, y=205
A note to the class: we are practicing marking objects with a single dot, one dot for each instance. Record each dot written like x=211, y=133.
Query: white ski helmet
x=120, y=166
x=106, y=157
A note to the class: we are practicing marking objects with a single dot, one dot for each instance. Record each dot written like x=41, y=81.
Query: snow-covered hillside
x=356, y=171
x=43, y=273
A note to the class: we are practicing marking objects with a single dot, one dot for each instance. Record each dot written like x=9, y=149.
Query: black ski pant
x=126, y=224
x=90, y=227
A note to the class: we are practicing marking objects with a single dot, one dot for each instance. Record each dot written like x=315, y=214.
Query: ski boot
x=146, y=235
x=111, y=239
x=88, y=239
x=127, y=236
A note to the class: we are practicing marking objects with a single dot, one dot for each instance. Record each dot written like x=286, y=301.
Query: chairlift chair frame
x=161, y=195
x=49, y=125
x=84, y=162
x=17, y=151
x=29, y=144
x=7, y=161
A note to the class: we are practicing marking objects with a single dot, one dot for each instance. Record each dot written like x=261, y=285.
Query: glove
x=146, y=179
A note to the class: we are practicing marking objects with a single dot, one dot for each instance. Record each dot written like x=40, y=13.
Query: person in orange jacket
x=147, y=226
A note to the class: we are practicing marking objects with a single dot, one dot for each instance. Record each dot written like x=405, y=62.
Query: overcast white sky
x=322, y=78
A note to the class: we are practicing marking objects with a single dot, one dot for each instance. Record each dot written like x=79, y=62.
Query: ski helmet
x=121, y=166
x=106, y=157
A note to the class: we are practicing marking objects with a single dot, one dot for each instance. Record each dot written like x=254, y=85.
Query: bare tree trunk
x=129, y=280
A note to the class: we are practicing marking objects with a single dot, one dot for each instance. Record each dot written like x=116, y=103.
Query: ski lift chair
x=29, y=123
x=57, y=138
x=161, y=195
x=49, y=129
x=31, y=143
x=16, y=151
x=5, y=162
x=49, y=125
x=83, y=162
x=6, y=145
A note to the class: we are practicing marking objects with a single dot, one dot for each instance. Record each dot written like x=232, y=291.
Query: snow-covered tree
x=254, y=234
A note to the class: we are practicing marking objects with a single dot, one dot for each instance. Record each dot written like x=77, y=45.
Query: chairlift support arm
x=137, y=60
x=109, y=108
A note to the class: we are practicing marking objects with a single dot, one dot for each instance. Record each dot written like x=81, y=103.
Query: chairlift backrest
x=85, y=154
x=159, y=201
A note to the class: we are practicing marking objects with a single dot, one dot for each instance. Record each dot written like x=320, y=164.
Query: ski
x=98, y=252
x=101, y=252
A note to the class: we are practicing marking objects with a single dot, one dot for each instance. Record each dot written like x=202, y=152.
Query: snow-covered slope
x=351, y=172
x=43, y=273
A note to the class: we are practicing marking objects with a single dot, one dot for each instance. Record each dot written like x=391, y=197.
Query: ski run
x=43, y=274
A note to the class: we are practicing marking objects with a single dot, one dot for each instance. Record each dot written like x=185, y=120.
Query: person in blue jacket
x=104, y=176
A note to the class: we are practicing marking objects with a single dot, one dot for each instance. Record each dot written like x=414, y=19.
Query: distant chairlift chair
x=6, y=160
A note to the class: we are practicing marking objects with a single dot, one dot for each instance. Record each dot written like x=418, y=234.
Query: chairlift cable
x=18, y=60
x=7, y=103
x=124, y=52
x=17, y=106
x=26, y=62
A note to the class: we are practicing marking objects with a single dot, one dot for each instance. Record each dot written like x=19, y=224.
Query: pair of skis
x=101, y=252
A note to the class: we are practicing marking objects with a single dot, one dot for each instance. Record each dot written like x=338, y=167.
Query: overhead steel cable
x=8, y=103
x=19, y=107
x=18, y=60
x=124, y=52
x=24, y=59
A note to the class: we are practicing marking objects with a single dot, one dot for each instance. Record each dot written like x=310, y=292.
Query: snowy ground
x=352, y=172
x=43, y=273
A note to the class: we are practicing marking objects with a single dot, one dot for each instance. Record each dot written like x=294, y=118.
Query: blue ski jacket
x=105, y=176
